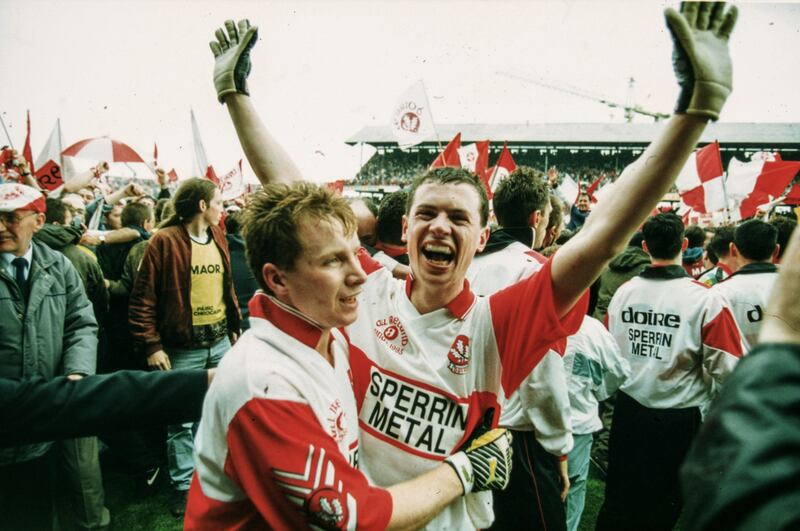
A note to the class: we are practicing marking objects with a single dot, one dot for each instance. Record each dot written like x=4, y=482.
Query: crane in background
x=628, y=107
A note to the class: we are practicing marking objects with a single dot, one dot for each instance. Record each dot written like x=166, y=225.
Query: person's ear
x=275, y=280
x=403, y=236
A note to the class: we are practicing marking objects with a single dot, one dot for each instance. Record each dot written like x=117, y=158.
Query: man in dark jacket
x=81, y=456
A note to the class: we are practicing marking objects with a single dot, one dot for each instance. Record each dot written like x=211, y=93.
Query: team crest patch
x=337, y=421
x=327, y=508
x=391, y=332
x=459, y=355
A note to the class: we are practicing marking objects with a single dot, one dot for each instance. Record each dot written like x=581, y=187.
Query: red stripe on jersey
x=459, y=307
x=368, y=264
x=286, y=464
x=722, y=334
x=293, y=324
x=526, y=324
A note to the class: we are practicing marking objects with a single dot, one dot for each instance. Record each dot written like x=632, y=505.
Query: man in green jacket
x=48, y=328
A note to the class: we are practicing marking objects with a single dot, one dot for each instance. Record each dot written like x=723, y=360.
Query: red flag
x=756, y=183
x=26, y=151
x=173, y=175
x=49, y=176
x=211, y=175
x=700, y=182
x=155, y=154
x=449, y=157
x=594, y=186
x=504, y=166
x=337, y=187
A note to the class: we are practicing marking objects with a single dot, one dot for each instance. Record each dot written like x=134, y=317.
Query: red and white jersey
x=277, y=446
x=677, y=334
x=424, y=381
x=747, y=294
x=541, y=404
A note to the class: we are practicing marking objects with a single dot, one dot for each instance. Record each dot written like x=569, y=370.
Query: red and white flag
x=49, y=175
x=337, y=186
x=26, y=150
x=475, y=157
x=568, y=190
x=232, y=183
x=412, y=121
x=502, y=169
x=700, y=183
x=449, y=157
x=757, y=183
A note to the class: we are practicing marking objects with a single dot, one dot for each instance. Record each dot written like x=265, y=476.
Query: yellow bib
x=208, y=306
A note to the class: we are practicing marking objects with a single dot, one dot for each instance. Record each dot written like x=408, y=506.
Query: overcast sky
x=324, y=69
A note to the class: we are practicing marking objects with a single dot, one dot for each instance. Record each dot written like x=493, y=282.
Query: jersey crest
x=459, y=355
x=327, y=508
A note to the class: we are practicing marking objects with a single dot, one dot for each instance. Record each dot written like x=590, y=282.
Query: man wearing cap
x=47, y=328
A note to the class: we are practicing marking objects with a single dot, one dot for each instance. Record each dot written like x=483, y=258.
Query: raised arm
x=269, y=160
x=703, y=68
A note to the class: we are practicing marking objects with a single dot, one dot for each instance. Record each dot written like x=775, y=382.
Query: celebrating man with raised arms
x=429, y=358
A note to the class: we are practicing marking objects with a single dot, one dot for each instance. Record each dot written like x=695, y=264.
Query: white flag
x=232, y=183
x=568, y=190
x=52, y=148
x=411, y=120
x=199, y=151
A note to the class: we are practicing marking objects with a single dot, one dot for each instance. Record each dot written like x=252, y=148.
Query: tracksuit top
x=278, y=443
x=424, y=382
x=677, y=334
x=541, y=404
x=746, y=293
x=595, y=370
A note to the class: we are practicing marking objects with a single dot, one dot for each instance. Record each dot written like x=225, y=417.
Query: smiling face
x=326, y=278
x=443, y=230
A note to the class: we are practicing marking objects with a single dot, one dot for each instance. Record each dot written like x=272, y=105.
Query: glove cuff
x=708, y=99
x=463, y=468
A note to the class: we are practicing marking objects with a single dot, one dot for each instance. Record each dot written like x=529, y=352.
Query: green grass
x=132, y=511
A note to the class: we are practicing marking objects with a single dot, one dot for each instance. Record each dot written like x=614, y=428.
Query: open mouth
x=353, y=299
x=440, y=255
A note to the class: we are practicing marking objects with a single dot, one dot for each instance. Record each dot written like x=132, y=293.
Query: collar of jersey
x=668, y=272
x=459, y=307
x=756, y=267
x=285, y=318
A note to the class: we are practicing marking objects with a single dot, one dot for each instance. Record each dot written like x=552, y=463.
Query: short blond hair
x=272, y=218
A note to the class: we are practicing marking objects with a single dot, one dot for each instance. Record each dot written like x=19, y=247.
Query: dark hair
x=520, y=194
x=755, y=239
x=663, y=234
x=696, y=236
x=389, y=227
x=136, y=214
x=556, y=213
x=233, y=222
x=56, y=210
x=451, y=176
x=636, y=240
x=187, y=200
x=785, y=227
x=159, y=208
x=274, y=214
x=720, y=243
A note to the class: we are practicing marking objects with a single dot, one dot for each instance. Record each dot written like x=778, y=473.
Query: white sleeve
x=546, y=403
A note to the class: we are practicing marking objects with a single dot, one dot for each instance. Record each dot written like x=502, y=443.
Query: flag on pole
x=757, y=183
x=26, y=150
x=475, y=158
x=412, y=121
x=568, y=190
x=200, y=159
x=503, y=167
x=50, y=175
x=700, y=183
x=173, y=175
x=211, y=175
x=155, y=155
x=449, y=157
x=231, y=184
